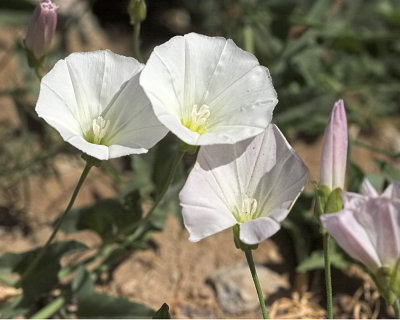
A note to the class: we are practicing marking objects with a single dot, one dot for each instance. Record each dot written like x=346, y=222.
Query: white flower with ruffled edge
x=253, y=183
x=206, y=90
x=94, y=100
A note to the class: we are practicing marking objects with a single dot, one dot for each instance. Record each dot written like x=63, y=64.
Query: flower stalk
x=85, y=172
x=328, y=280
x=250, y=262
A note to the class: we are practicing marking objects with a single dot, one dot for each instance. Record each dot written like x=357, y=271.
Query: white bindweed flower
x=94, y=100
x=206, y=90
x=253, y=183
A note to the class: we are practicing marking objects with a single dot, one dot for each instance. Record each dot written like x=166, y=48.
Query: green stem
x=58, y=224
x=136, y=41
x=396, y=306
x=328, y=281
x=178, y=157
x=250, y=261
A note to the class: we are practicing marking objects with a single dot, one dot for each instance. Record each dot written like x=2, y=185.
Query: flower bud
x=41, y=29
x=334, y=149
x=137, y=11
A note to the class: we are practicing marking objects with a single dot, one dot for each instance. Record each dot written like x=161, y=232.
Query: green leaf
x=163, y=312
x=106, y=217
x=92, y=304
x=316, y=261
x=44, y=276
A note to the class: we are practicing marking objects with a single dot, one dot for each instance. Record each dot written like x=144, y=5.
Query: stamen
x=248, y=210
x=198, y=118
x=99, y=127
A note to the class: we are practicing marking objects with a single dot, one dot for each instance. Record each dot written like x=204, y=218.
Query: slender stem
x=58, y=225
x=396, y=306
x=136, y=41
x=250, y=261
x=177, y=160
x=328, y=281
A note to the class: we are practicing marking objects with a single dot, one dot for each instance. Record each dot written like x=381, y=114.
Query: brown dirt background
x=176, y=271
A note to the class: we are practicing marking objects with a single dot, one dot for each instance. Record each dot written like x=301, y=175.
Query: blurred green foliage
x=317, y=52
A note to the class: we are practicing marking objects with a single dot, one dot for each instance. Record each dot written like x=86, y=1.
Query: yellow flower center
x=98, y=131
x=197, y=121
x=248, y=210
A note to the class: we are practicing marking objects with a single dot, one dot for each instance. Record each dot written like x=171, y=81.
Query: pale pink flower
x=368, y=228
x=334, y=149
x=41, y=28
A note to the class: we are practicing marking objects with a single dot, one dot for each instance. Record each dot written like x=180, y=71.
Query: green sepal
x=187, y=147
x=388, y=282
x=239, y=244
x=33, y=61
x=321, y=198
x=334, y=202
x=137, y=11
x=92, y=161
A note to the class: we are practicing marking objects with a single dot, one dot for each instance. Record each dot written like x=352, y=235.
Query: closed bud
x=334, y=149
x=41, y=30
x=137, y=11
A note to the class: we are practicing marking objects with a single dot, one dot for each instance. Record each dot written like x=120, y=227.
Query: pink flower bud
x=334, y=149
x=41, y=29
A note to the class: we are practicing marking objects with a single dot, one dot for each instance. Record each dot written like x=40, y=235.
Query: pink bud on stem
x=40, y=32
x=334, y=149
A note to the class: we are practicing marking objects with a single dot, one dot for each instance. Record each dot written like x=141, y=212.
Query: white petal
x=196, y=69
x=277, y=181
x=256, y=231
x=133, y=123
x=203, y=205
x=351, y=236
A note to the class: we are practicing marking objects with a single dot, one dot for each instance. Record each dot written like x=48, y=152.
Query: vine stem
x=136, y=41
x=171, y=175
x=396, y=306
x=328, y=280
x=250, y=262
x=58, y=224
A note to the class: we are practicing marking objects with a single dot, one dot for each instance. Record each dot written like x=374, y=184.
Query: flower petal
x=279, y=186
x=380, y=219
x=203, y=205
x=351, y=236
x=256, y=231
x=134, y=123
x=367, y=189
